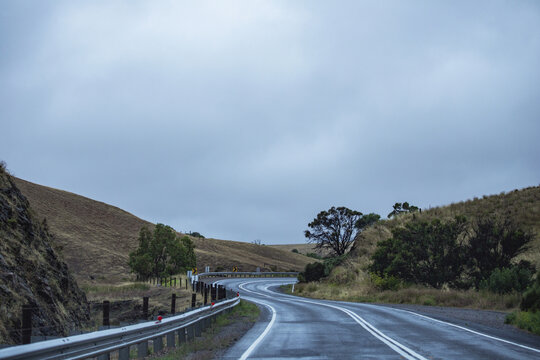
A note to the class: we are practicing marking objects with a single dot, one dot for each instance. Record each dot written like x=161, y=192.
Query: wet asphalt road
x=300, y=328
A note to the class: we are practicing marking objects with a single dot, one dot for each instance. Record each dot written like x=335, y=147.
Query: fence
x=101, y=344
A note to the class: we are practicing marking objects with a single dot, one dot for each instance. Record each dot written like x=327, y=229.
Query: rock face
x=31, y=272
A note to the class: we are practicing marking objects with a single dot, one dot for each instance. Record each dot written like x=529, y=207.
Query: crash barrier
x=101, y=344
x=247, y=274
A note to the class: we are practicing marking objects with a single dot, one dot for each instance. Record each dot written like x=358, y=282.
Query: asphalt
x=300, y=328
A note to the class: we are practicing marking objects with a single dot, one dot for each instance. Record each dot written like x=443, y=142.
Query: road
x=300, y=328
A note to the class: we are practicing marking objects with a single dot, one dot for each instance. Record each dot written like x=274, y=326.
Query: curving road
x=300, y=328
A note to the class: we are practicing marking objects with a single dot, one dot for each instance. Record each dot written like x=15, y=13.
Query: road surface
x=300, y=328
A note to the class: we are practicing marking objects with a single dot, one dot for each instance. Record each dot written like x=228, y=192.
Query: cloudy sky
x=243, y=119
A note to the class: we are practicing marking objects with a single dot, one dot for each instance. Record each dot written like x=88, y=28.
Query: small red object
x=159, y=318
x=237, y=294
x=213, y=304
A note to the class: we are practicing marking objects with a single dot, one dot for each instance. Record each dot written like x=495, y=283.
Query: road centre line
x=393, y=344
x=429, y=318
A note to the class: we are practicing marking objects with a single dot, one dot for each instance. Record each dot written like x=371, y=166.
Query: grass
x=221, y=335
x=96, y=239
x=525, y=320
x=417, y=295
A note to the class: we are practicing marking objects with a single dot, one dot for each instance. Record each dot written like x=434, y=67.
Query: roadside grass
x=215, y=340
x=525, y=320
x=417, y=295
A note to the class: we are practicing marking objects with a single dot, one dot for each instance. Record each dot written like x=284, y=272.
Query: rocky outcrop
x=31, y=272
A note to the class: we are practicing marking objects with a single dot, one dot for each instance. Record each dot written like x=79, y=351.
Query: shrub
x=388, y=282
x=315, y=256
x=506, y=280
x=295, y=251
x=529, y=321
x=331, y=263
x=531, y=297
x=313, y=272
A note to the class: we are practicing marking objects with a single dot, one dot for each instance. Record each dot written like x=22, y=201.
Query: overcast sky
x=243, y=119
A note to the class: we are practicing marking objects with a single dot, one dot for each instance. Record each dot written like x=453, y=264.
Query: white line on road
x=401, y=349
x=426, y=317
x=472, y=331
x=268, y=327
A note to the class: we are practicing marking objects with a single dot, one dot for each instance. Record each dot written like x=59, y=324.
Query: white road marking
x=393, y=344
x=426, y=317
x=268, y=327
x=472, y=331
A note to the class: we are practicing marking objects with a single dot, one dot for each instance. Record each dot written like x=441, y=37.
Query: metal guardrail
x=247, y=274
x=100, y=344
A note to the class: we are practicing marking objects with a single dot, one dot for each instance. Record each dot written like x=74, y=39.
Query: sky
x=242, y=120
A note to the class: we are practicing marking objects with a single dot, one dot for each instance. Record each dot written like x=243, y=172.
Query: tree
x=367, y=220
x=494, y=243
x=428, y=253
x=334, y=229
x=400, y=208
x=161, y=253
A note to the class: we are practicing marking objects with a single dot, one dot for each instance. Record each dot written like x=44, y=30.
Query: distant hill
x=31, y=272
x=522, y=206
x=96, y=238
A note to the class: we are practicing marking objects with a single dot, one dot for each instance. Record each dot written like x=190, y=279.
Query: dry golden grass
x=96, y=239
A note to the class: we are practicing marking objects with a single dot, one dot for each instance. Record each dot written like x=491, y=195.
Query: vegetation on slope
x=31, y=272
x=352, y=279
x=97, y=238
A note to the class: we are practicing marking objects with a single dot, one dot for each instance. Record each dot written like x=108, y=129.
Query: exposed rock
x=31, y=272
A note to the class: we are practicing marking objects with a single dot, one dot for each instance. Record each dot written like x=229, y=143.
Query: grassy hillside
x=96, y=238
x=31, y=272
x=351, y=281
x=522, y=206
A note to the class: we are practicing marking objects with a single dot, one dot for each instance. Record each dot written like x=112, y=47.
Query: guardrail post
x=145, y=308
x=190, y=332
x=205, y=294
x=142, y=349
x=104, y=357
x=26, y=330
x=198, y=329
x=123, y=353
x=182, y=335
x=193, y=299
x=106, y=309
x=173, y=304
x=171, y=340
x=158, y=344
x=213, y=293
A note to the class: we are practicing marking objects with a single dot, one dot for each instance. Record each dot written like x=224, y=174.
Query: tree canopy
x=161, y=253
x=458, y=253
x=400, y=208
x=334, y=229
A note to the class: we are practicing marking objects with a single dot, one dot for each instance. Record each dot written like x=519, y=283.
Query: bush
x=315, y=256
x=295, y=251
x=506, y=280
x=313, y=272
x=531, y=297
x=331, y=263
x=529, y=321
x=385, y=283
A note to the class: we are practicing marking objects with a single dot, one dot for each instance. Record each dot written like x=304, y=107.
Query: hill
x=96, y=238
x=351, y=281
x=522, y=206
x=31, y=272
